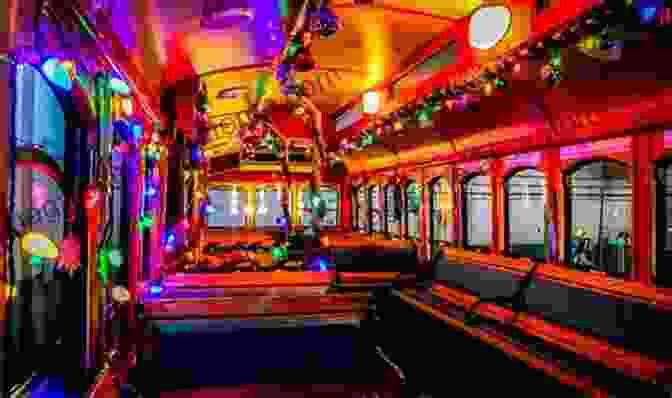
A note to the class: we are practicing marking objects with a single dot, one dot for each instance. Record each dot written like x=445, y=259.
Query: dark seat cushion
x=622, y=321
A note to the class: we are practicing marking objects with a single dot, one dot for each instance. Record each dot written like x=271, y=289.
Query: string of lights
x=599, y=29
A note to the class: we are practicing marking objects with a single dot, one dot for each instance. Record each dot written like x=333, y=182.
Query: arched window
x=663, y=270
x=330, y=196
x=376, y=207
x=441, y=224
x=392, y=213
x=362, y=209
x=231, y=207
x=526, y=226
x=412, y=210
x=600, y=200
x=478, y=212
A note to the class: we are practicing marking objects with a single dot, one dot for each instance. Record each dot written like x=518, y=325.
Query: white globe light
x=371, y=102
x=489, y=25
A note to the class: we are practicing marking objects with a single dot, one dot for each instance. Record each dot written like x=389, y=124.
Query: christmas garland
x=601, y=29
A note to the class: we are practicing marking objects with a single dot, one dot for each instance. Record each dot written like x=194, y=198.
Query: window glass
x=412, y=210
x=391, y=208
x=478, y=211
x=362, y=209
x=39, y=118
x=330, y=196
x=269, y=207
x=38, y=319
x=230, y=205
x=600, y=196
x=526, y=199
x=442, y=211
x=376, y=204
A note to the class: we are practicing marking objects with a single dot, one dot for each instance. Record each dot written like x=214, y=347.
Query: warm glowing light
x=39, y=245
x=127, y=107
x=371, y=102
x=119, y=86
x=91, y=198
x=248, y=210
x=489, y=25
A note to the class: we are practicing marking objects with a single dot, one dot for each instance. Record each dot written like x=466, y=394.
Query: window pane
x=478, y=211
x=393, y=222
x=327, y=194
x=525, y=207
x=601, y=199
x=412, y=209
x=442, y=207
x=376, y=209
x=229, y=207
x=362, y=210
x=39, y=118
x=269, y=207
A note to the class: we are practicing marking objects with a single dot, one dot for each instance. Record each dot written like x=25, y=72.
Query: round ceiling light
x=489, y=25
x=371, y=102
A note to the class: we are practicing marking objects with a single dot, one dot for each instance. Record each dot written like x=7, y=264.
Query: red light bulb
x=91, y=198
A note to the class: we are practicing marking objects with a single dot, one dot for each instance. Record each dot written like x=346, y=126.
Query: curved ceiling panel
x=217, y=49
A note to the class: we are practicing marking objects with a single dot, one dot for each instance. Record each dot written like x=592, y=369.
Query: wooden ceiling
x=378, y=40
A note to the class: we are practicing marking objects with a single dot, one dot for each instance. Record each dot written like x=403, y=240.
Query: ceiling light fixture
x=488, y=26
x=222, y=14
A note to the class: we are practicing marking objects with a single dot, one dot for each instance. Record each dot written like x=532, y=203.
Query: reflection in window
x=230, y=205
x=392, y=206
x=362, y=210
x=327, y=194
x=376, y=209
x=269, y=207
x=478, y=211
x=39, y=209
x=525, y=195
x=412, y=210
x=442, y=212
x=600, y=197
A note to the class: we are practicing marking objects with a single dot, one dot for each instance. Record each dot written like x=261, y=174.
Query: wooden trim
x=659, y=298
x=500, y=342
x=598, y=350
x=253, y=307
x=251, y=279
